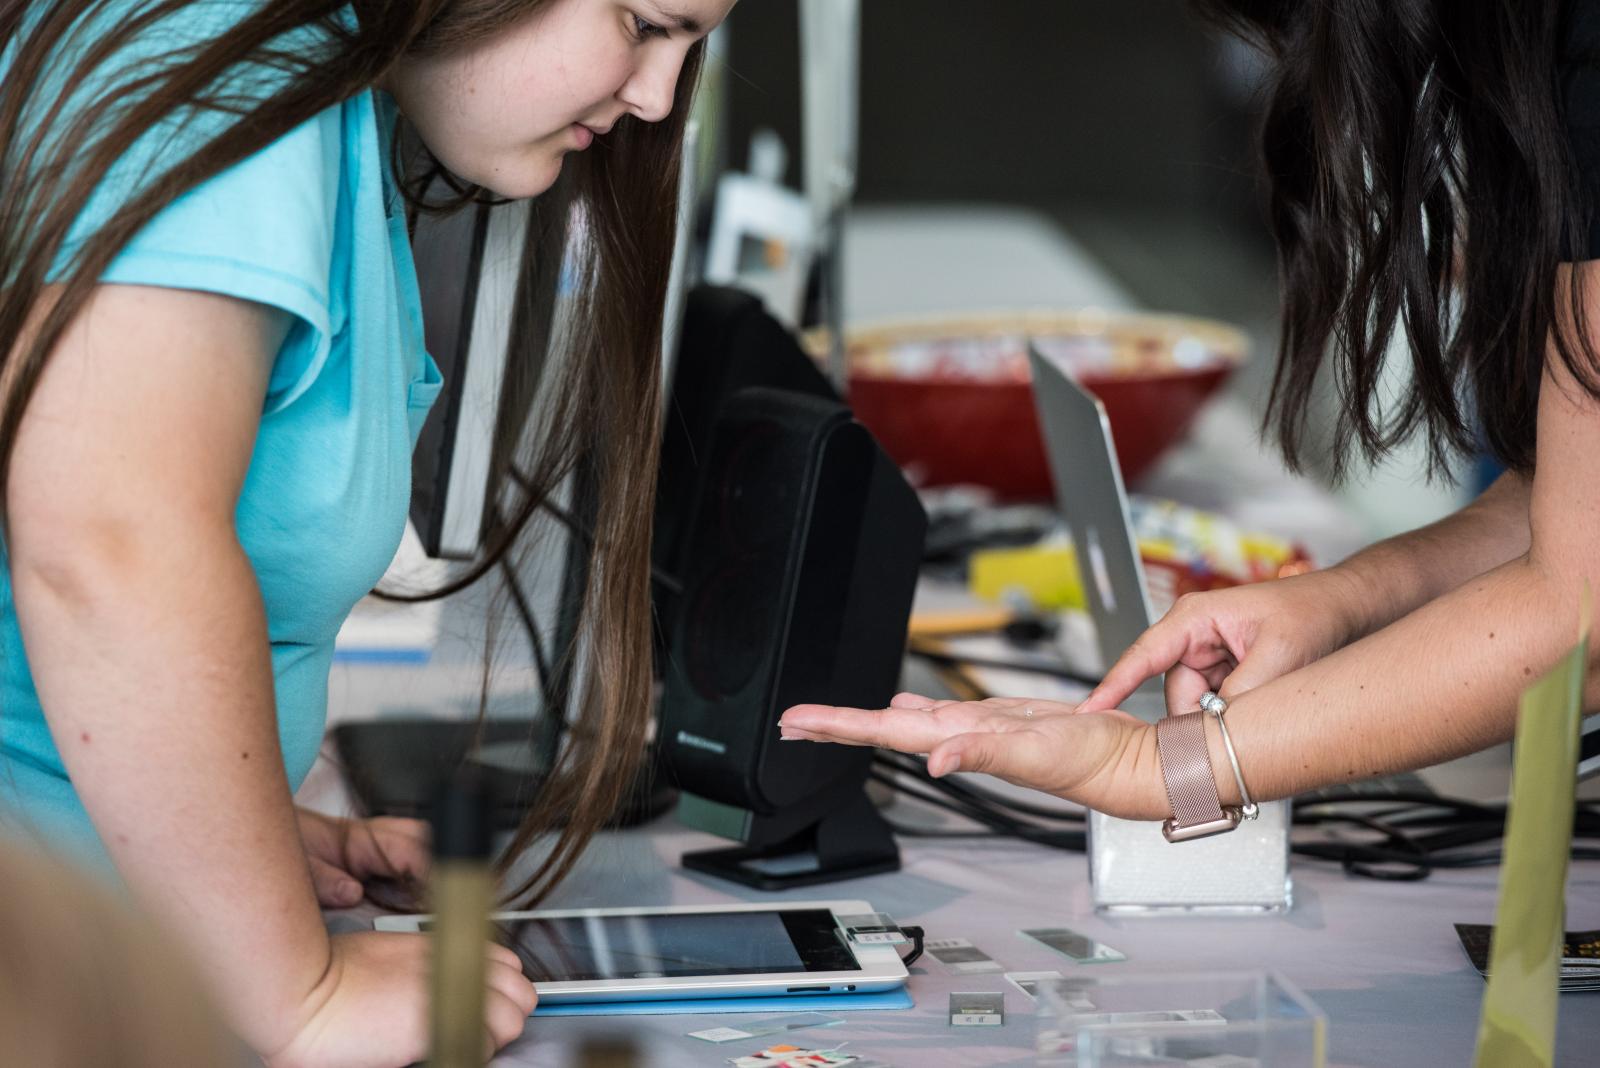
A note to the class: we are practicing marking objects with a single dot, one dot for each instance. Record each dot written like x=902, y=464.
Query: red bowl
x=951, y=400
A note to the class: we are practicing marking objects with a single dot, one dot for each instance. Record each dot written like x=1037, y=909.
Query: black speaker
x=729, y=343
x=801, y=561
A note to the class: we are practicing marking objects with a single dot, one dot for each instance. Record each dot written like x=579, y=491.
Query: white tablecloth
x=1381, y=959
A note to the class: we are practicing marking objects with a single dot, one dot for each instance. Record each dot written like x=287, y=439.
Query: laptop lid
x=1094, y=505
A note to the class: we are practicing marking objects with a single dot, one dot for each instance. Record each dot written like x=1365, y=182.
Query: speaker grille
x=734, y=617
x=729, y=624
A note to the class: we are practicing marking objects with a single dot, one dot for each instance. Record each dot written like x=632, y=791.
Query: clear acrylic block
x=1132, y=868
x=1245, y=1019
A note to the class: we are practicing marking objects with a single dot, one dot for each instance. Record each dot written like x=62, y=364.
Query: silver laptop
x=1094, y=505
x=1132, y=869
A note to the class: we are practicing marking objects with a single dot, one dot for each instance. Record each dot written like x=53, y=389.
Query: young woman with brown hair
x=213, y=377
x=1434, y=169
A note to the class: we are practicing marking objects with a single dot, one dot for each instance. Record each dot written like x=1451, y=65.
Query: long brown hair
x=1420, y=180
x=604, y=416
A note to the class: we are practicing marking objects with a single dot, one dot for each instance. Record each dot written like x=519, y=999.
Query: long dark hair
x=606, y=399
x=1419, y=179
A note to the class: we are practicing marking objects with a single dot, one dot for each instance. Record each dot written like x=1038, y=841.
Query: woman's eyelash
x=644, y=28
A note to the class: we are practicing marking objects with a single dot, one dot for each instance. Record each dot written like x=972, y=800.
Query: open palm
x=1096, y=759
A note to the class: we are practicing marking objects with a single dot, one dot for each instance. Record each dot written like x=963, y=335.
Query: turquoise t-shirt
x=313, y=225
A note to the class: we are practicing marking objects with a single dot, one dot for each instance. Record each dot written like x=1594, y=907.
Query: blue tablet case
x=886, y=999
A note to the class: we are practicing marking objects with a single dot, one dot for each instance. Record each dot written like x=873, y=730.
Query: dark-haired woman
x=213, y=377
x=1434, y=167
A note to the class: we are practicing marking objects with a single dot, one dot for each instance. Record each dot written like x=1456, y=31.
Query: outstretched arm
x=1234, y=640
x=1436, y=683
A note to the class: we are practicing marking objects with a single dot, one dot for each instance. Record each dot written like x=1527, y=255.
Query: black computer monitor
x=469, y=269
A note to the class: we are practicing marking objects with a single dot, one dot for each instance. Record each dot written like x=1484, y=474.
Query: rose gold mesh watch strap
x=1191, y=784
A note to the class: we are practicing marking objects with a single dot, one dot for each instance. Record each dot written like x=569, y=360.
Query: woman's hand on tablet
x=1105, y=760
x=345, y=854
x=371, y=1008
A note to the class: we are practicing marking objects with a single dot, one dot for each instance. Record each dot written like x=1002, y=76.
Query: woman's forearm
x=1394, y=577
x=1440, y=682
x=1437, y=684
x=151, y=658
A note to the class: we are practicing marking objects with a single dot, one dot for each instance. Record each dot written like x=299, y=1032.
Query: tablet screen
x=672, y=944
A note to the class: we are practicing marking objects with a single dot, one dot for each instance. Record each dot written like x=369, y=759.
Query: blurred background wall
x=1127, y=124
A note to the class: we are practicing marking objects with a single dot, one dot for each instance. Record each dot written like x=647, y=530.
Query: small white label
x=694, y=741
x=720, y=1034
x=773, y=1026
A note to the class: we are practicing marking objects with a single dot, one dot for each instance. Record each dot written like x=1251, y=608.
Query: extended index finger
x=1155, y=651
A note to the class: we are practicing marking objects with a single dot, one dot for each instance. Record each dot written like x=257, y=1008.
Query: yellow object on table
x=1047, y=575
x=1518, y=1025
x=1184, y=550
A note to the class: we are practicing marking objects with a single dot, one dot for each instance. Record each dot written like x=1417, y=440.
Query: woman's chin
x=528, y=178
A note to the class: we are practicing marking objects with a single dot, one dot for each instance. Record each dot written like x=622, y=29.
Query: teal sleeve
x=265, y=230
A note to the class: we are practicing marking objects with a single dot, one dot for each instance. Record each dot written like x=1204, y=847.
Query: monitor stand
x=801, y=846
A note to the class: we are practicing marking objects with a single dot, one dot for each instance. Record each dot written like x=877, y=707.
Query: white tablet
x=689, y=951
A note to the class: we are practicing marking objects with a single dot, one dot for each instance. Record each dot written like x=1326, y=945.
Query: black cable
x=917, y=936
x=992, y=820
x=998, y=824
x=1398, y=857
x=975, y=804
x=1405, y=855
x=1404, y=797
x=964, y=798
x=1067, y=841
x=554, y=707
x=934, y=832
x=971, y=791
x=519, y=601
x=582, y=532
x=1418, y=833
x=930, y=797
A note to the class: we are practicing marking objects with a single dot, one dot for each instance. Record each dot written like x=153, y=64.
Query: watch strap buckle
x=1229, y=820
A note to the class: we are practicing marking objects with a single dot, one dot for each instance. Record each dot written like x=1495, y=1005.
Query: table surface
x=1381, y=959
